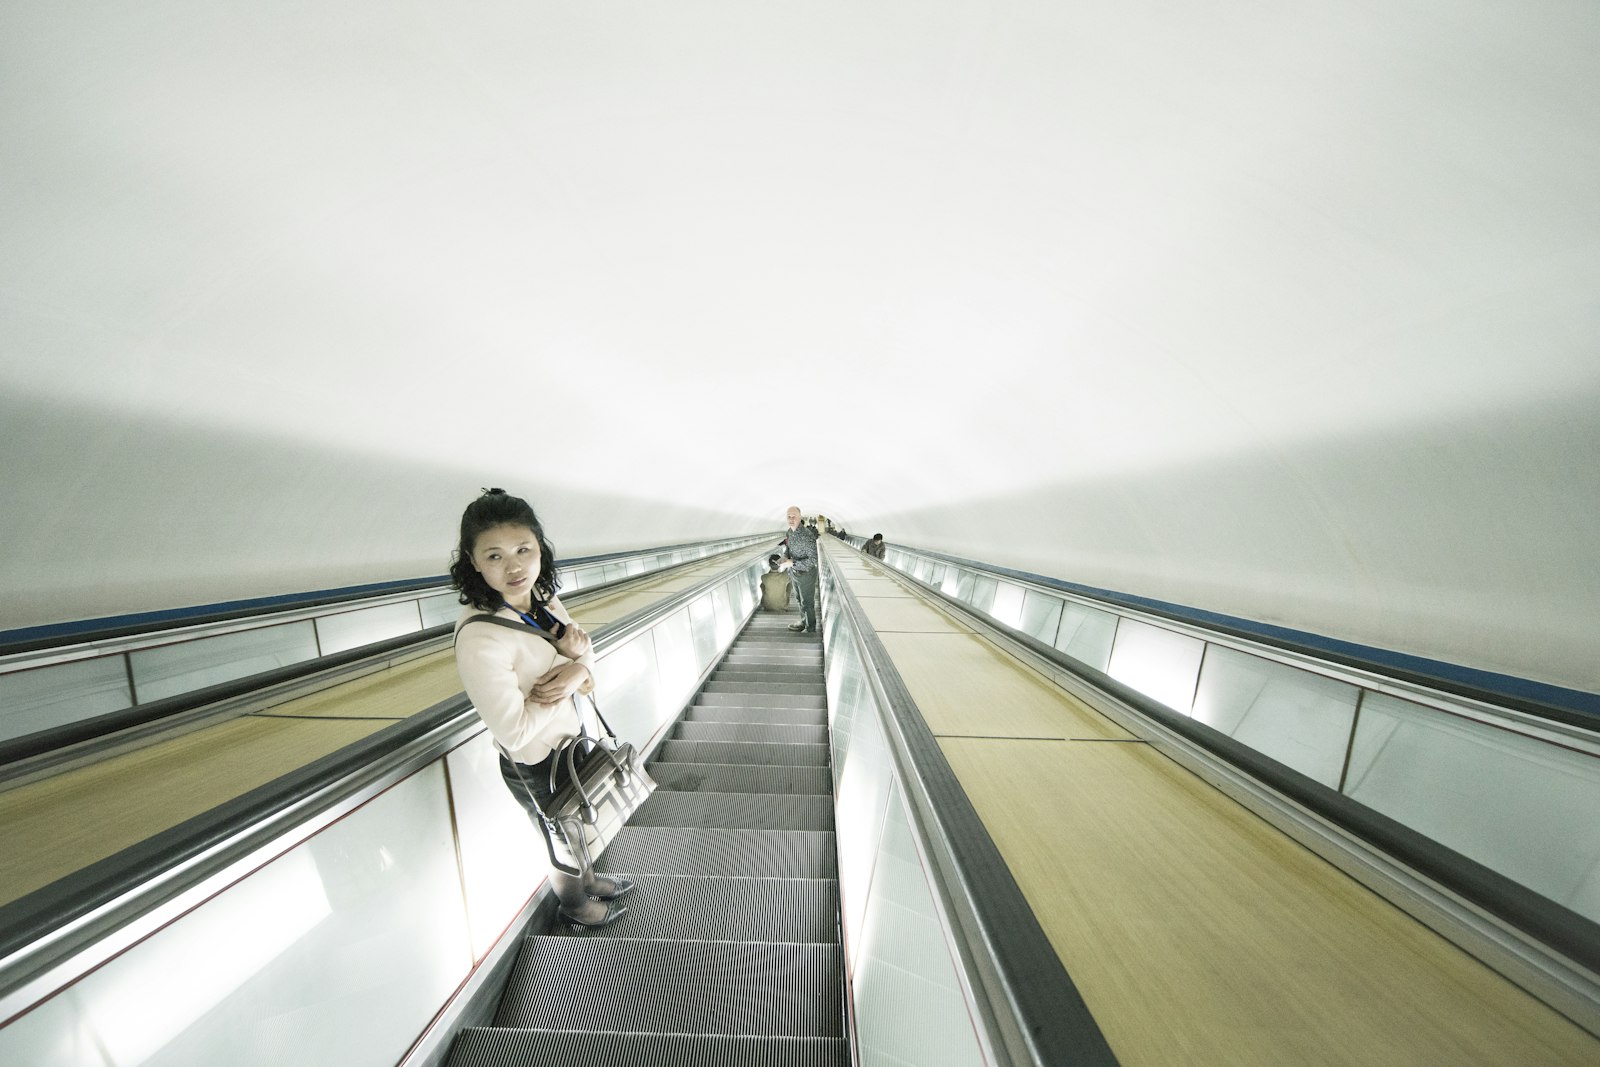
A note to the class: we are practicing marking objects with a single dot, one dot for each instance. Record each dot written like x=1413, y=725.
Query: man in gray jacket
x=801, y=551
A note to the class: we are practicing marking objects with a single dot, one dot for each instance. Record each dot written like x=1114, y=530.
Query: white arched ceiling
x=1288, y=312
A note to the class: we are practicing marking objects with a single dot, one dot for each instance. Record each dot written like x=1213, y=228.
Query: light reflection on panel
x=741, y=596
x=675, y=659
x=57, y=1033
x=627, y=688
x=182, y=668
x=727, y=623
x=437, y=610
x=1159, y=663
x=983, y=592
x=299, y=956
x=910, y=1008
x=352, y=629
x=1298, y=718
x=1508, y=801
x=958, y=583
x=47, y=697
x=703, y=621
x=1006, y=608
x=1041, y=616
x=862, y=778
x=503, y=857
x=1086, y=634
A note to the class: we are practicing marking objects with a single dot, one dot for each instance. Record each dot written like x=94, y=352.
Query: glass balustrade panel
x=45, y=698
x=1298, y=718
x=352, y=629
x=911, y=1007
x=1161, y=664
x=1041, y=616
x=183, y=667
x=1516, y=804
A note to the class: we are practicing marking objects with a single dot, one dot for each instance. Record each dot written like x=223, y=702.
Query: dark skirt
x=521, y=778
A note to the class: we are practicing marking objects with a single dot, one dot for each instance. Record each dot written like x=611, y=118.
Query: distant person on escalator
x=875, y=546
x=774, y=586
x=800, y=548
x=523, y=672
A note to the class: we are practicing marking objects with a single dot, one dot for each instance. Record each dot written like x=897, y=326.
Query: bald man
x=801, y=553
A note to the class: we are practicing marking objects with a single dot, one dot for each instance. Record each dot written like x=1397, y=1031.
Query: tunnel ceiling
x=1240, y=305
x=1018, y=243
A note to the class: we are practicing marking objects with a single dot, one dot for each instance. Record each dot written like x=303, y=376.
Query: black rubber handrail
x=1560, y=928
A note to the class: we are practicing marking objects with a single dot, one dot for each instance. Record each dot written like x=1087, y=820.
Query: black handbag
x=595, y=788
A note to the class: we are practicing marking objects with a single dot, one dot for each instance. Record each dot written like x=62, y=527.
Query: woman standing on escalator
x=522, y=673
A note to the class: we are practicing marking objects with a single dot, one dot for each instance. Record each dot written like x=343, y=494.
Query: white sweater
x=498, y=668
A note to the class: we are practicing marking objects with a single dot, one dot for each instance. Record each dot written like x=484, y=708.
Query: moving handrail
x=56, y=934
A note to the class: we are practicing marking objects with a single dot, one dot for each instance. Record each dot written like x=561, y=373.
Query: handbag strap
x=549, y=823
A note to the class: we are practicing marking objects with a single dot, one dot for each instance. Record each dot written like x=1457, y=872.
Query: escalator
x=730, y=952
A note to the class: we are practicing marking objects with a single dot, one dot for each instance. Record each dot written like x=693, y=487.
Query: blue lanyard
x=558, y=627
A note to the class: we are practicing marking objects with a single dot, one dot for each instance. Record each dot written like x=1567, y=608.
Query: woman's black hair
x=496, y=507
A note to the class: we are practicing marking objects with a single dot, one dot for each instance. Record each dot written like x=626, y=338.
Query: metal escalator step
x=813, y=688
x=680, y=908
x=675, y=987
x=787, y=733
x=741, y=778
x=796, y=661
x=729, y=713
x=486, y=1046
x=766, y=673
x=765, y=753
x=764, y=700
x=807, y=650
x=735, y=811
x=721, y=853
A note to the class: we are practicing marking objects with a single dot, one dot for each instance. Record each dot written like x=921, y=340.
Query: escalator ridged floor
x=729, y=954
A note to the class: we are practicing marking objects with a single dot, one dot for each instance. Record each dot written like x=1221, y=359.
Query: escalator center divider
x=729, y=953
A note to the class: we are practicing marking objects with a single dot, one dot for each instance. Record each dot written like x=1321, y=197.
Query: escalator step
x=783, y=733
x=818, y=699
x=729, y=713
x=735, y=811
x=482, y=1046
x=725, y=909
x=741, y=778
x=765, y=672
x=725, y=853
x=675, y=987
x=764, y=753
x=740, y=653
x=811, y=688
